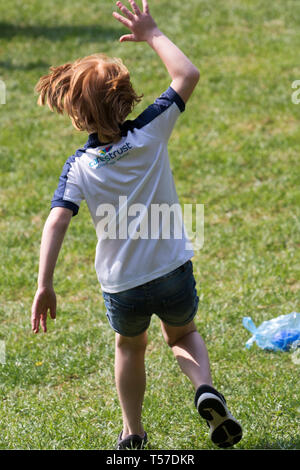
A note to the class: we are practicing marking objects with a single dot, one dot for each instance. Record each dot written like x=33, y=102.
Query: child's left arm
x=183, y=72
x=53, y=234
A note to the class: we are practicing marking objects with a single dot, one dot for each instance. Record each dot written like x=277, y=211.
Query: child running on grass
x=126, y=162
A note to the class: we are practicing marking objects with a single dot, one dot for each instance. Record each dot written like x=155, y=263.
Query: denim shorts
x=172, y=297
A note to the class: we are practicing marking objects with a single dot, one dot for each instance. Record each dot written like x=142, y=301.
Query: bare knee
x=132, y=343
x=173, y=334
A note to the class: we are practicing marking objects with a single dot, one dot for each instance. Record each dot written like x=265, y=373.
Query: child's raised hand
x=140, y=23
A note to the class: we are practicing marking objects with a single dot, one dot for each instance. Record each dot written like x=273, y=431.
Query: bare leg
x=191, y=354
x=131, y=380
x=190, y=351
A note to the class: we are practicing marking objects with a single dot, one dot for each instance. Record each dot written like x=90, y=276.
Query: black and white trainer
x=225, y=430
x=133, y=441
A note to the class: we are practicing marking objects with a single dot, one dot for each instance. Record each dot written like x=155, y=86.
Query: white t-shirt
x=130, y=192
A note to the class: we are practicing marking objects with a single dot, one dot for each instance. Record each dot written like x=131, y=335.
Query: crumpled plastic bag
x=277, y=334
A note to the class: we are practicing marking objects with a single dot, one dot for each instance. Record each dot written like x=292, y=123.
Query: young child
x=126, y=162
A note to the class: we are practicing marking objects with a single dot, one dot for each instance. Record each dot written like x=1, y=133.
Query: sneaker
x=133, y=441
x=225, y=430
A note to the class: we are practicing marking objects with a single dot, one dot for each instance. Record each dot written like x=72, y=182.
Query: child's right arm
x=182, y=71
x=53, y=234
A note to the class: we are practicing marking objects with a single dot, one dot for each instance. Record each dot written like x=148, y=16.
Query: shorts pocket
x=180, y=307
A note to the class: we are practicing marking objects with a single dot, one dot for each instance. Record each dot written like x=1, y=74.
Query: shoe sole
x=225, y=431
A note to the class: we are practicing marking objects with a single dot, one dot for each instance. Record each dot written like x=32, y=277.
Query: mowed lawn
x=235, y=150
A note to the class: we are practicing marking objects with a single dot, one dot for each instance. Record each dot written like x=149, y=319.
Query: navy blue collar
x=93, y=141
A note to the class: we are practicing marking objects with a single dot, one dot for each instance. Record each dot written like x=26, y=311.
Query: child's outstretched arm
x=182, y=71
x=53, y=234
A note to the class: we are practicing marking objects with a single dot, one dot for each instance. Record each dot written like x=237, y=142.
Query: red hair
x=96, y=92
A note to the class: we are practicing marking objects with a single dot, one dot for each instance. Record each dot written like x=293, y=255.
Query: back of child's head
x=96, y=92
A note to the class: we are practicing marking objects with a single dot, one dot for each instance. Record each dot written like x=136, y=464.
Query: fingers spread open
x=122, y=20
x=145, y=6
x=135, y=8
x=125, y=10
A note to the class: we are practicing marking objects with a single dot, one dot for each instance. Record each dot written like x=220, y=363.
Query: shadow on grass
x=85, y=33
x=9, y=65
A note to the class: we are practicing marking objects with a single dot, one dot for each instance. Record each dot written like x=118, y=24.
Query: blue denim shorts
x=172, y=297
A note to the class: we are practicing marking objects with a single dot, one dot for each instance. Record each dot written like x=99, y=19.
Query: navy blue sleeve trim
x=177, y=98
x=67, y=204
x=160, y=105
x=169, y=97
x=57, y=200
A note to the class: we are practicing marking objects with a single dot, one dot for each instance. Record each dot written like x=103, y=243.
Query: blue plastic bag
x=277, y=334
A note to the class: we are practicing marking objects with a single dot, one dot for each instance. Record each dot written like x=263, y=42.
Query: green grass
x=236, y=150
